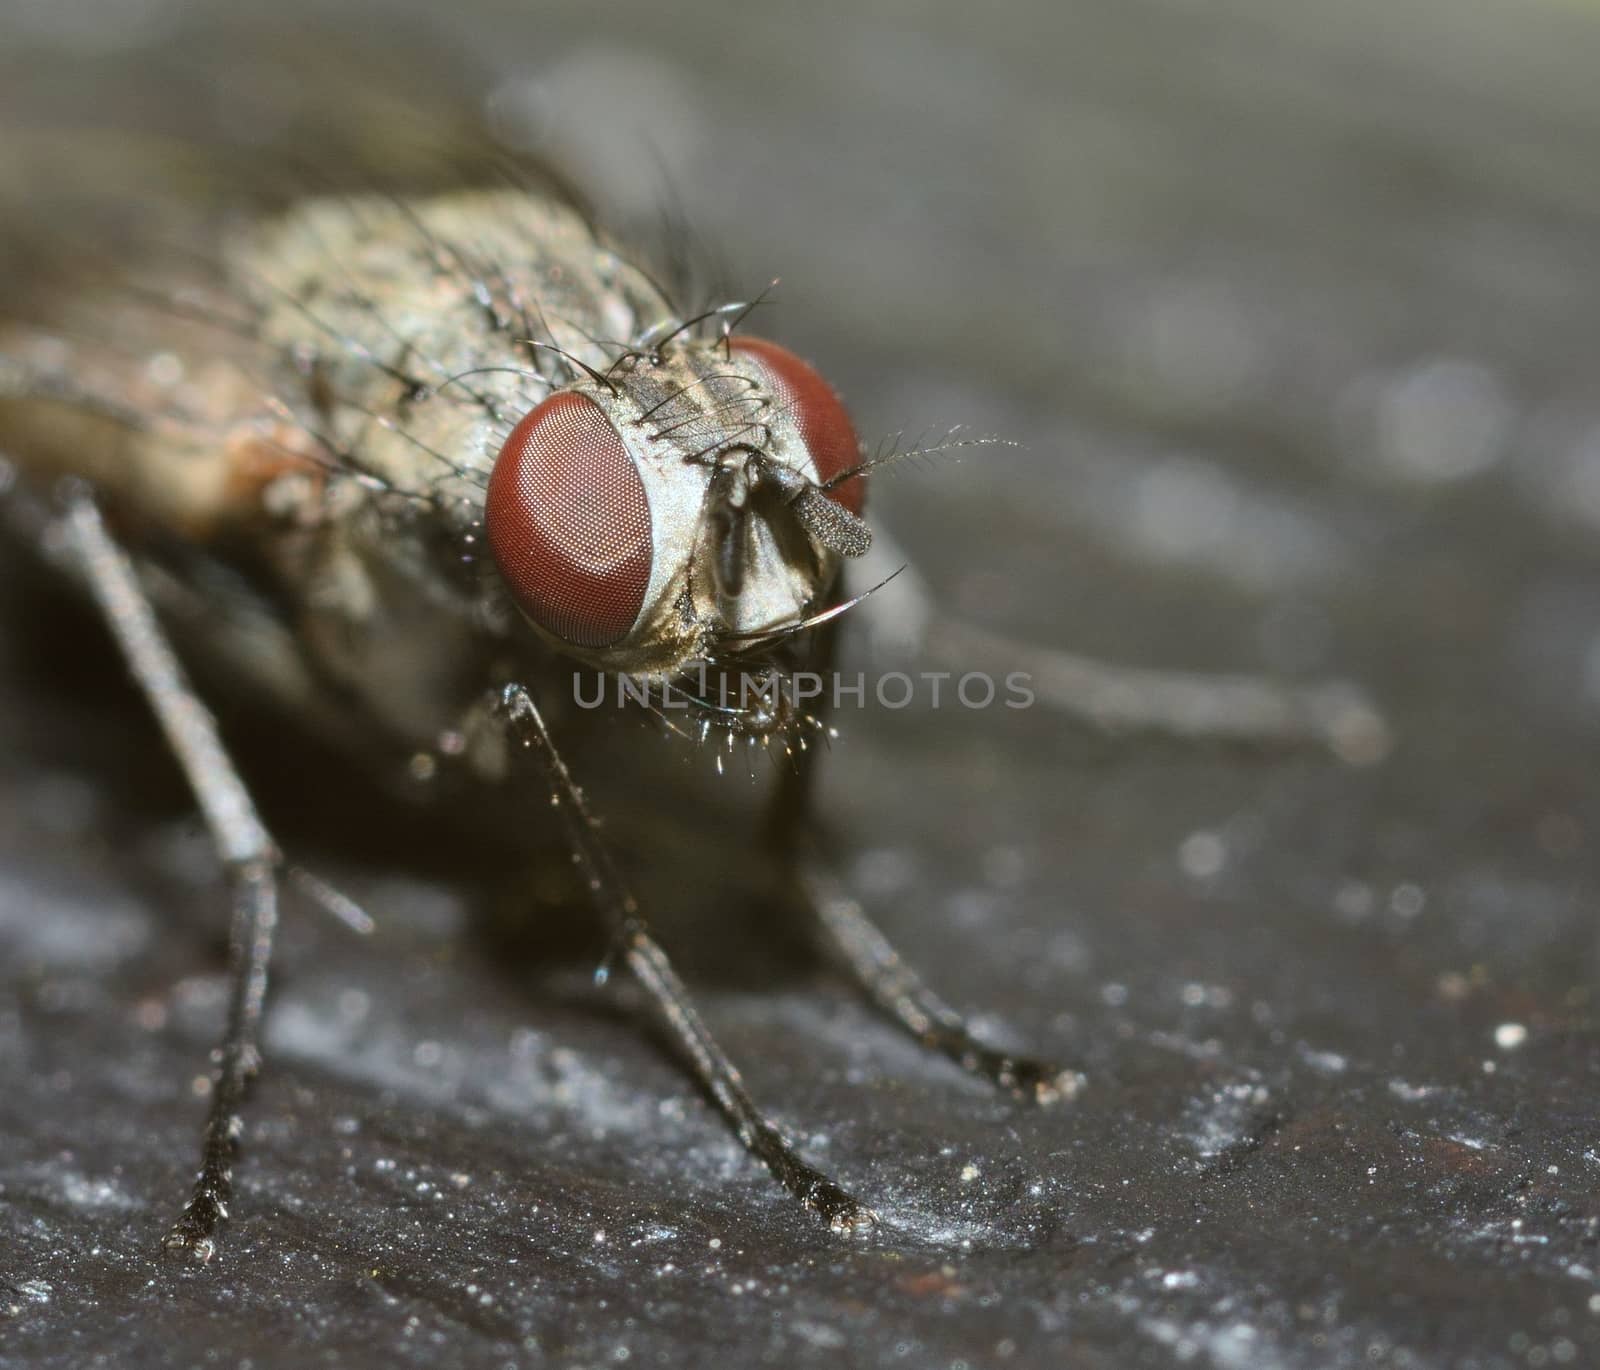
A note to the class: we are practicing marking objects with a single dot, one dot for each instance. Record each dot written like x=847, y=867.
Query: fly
x=411, y=461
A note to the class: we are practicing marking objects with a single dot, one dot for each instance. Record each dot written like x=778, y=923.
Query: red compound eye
x=824, y=426
x=569, y=523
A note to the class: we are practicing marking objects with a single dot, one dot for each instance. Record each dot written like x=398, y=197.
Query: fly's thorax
x=411, y=335
x=654, y=513
x=436, y=287
x=407, y=338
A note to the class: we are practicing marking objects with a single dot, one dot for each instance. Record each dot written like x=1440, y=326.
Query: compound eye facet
x=824, y=425
x=569, y=523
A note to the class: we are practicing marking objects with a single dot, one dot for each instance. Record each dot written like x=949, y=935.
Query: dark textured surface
x=1297, y=315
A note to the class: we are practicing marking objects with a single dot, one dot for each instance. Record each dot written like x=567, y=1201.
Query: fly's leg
x=668, y=996
x=242, y=842
x=869, y=957
x=895, y=987
x=906, y=626
x=1187, y=705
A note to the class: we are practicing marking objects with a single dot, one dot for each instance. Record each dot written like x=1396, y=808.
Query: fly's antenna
x=892, y=455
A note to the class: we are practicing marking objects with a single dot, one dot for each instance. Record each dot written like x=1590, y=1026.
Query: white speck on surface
x=1408, y=900
x=819, y=1335
x=1220, y=1119
x=83, y=1191
x=1510, y=1036
x=1323, y=1062
x=37, y=1290
x=1445, y=420
x=1202, y=855
x=1198, y=995
x=1233, y=1346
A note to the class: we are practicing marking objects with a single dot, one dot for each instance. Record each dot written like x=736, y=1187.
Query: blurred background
x=1295, y=313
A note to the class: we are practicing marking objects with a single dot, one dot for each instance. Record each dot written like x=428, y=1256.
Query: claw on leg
x=193, y=1236
x=839, y=1210
x=1037, y=1082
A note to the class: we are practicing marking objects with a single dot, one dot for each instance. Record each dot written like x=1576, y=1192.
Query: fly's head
x=686, y=511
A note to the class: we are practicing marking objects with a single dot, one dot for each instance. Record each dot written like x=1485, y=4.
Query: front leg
x=866, y=954
x=880, y=971
x=668, y=996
